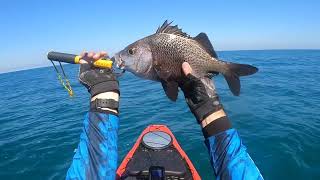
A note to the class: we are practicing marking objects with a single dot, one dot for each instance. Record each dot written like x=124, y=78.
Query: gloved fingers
x=86, y=65
x=90, y=57
x=87, y=56
x=83, y=54
x=190, y=82
x=100, y=55
x=84, y=68
x=192, y=78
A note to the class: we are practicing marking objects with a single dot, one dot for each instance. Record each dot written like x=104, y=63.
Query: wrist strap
x=98, y=104
x=215, y=115
x=205, y=109
x=216, y=126
x=104, y=87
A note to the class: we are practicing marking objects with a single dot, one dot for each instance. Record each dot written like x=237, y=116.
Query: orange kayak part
x=158, y=154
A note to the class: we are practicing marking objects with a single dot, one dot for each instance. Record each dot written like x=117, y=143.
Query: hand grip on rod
x=75, y=59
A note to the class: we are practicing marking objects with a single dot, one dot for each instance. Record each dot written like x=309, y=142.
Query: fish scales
x=170, y=51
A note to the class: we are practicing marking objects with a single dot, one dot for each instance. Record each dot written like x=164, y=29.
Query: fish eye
x=131, y=51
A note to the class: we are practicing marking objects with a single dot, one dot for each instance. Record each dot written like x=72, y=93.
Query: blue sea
x=277, y=116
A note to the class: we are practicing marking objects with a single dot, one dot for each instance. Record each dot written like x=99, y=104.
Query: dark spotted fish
x=159, y=57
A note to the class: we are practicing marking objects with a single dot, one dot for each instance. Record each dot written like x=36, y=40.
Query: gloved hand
x=207, y=110
x=197, y=98
x=102, y=84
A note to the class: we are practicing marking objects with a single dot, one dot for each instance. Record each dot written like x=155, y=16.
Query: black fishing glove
x=99, y=81
x=201, y=105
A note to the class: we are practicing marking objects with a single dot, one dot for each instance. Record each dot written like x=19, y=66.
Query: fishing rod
x=104, y=63
x=75, y=59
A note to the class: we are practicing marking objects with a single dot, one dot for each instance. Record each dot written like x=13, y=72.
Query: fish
x=159, y=57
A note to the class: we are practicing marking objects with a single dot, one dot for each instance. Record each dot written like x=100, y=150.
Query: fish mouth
x=121, y=65
x=119, y=62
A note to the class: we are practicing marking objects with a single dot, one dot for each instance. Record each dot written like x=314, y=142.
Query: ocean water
x=277, y=116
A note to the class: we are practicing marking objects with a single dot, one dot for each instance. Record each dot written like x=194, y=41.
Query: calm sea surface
x=277, y=116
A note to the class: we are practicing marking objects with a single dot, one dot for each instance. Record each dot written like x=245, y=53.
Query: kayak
x=156, y=155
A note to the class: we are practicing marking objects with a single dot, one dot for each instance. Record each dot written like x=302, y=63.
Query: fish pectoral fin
x=205, y=43
x=171, y=89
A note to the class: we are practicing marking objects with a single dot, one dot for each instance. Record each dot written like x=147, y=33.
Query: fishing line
x=63, y=81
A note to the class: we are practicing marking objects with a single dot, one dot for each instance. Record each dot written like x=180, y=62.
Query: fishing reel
x=76, y=59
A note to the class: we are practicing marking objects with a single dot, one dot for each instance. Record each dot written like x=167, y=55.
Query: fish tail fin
x=233, y=71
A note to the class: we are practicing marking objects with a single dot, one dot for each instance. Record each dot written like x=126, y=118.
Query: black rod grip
x=62, y=57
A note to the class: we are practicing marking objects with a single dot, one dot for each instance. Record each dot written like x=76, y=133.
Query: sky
x=29, y=29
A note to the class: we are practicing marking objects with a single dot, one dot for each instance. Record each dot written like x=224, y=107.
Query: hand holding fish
x=207, y=109
x=197, y=98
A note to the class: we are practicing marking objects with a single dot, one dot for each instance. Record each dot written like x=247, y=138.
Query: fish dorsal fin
x=167, y=28
x=205, y=43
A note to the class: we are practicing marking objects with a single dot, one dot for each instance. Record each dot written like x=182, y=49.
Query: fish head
x=135, y=58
